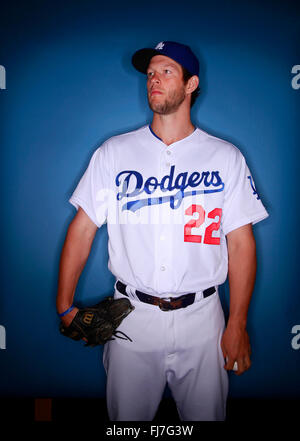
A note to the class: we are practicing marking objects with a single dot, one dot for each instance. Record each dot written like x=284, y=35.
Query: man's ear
x=192, y=84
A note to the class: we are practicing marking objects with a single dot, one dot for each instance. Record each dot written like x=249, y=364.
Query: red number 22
x=195, y=223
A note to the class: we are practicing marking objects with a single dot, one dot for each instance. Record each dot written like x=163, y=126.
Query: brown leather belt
x=166, y=304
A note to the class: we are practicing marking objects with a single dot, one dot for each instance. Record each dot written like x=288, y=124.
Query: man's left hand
x=235, y=345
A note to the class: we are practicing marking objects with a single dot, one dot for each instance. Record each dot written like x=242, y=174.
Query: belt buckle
x=161, y=304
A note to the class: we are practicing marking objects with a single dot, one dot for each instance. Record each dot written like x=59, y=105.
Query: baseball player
x=179, y=205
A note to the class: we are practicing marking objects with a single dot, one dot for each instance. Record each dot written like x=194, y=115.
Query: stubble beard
x=172, y=102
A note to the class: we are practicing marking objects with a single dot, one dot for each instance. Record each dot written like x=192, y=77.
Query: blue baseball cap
x=180, y=53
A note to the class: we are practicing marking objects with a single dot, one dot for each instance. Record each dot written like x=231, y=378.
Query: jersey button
x=162, y=268
x=168, y=152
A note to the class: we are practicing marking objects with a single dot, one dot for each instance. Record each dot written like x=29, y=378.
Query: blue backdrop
x=69, y=86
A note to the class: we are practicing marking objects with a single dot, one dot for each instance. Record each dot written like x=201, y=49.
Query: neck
x=173, y=127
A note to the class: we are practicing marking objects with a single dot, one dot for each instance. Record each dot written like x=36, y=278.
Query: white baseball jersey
x=168, y=208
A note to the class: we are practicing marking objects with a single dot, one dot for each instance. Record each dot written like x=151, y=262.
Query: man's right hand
x=67, y=319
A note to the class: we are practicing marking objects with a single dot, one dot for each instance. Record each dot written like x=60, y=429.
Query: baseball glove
x=98, y=323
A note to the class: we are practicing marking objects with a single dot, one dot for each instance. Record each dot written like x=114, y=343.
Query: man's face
x=165, y=86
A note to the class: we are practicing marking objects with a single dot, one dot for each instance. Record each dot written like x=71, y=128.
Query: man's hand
x=236, y=347
x=67, y=319
x=97, y=324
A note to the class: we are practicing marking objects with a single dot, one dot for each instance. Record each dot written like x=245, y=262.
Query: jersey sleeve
x=91, y=193
x=242, y=204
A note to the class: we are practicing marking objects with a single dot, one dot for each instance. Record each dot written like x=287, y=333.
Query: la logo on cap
x=160, y=46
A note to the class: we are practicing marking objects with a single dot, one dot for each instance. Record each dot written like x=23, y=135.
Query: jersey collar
x=183, y=139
